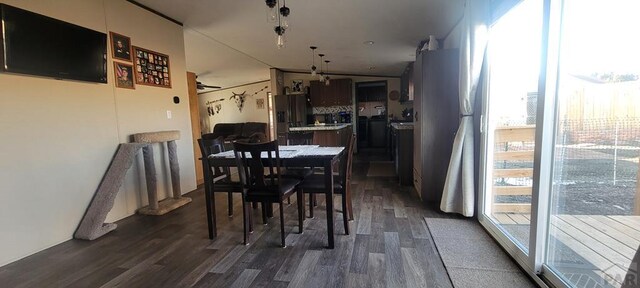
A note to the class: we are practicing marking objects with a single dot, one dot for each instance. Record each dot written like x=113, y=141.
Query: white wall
x=58, y=137
x=230, y=112
x=453, y=39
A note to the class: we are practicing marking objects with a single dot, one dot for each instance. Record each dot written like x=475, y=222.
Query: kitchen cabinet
x=333, y=138
x=337, y=93
x=436, y=119
x=402, y=151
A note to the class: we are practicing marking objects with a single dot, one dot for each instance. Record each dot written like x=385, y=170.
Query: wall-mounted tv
x=39, y=45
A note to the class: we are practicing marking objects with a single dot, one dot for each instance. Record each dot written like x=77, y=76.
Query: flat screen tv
x=39, y=45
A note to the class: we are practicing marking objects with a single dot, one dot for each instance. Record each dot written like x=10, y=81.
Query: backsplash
x=331, y=109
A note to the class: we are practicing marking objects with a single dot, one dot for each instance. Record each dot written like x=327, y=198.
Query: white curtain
x=459, y=195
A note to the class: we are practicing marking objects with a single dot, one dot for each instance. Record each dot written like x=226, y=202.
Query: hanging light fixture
x=284, y=11
x=321, y=75
x=313, y=60
x=282, y=15
x=272, y=14
x=326, y=81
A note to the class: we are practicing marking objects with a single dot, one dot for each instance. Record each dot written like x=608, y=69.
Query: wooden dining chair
x=221, y=178
x=262, y=181
x=315, y=184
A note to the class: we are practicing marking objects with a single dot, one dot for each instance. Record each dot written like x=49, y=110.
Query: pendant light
x=282, y=15
x=313, y=60
x=285, y=11
x=272, y=13
x=326, y=82
x=321, y=75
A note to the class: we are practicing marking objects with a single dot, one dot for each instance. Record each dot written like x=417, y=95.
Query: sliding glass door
x=594, y=222
x=510, y=114
x=561, y=141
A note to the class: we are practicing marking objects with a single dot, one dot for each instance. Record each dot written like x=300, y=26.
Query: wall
x=58, y=137
x=229, y=112
x=394, y=108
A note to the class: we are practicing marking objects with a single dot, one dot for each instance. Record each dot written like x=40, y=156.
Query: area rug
x=381, y=169
x=471, y=256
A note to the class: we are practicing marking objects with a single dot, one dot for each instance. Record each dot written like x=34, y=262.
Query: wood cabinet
x=402, y=151
x=332, y=138
x=437, y=116
x=338, y=93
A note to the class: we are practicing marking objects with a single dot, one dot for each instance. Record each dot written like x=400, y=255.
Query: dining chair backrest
x=257, y=173
x=210, y=146
x=346, y=161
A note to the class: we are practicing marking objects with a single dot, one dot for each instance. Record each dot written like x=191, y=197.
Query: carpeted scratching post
x=167, y=205
x=92, y=225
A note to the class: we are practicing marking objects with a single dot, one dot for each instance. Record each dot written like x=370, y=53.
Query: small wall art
x=120, y=46
x=124, y=75
x=296, y=86
x=239, y=98
x=152, y=68
x=260, y=103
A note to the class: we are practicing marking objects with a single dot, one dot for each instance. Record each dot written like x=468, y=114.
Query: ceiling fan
x=201, y=86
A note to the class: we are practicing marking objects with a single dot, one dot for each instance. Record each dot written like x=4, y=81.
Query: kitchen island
x=327, y=134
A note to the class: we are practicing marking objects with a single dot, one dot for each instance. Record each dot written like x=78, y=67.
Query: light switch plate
x=168, y=114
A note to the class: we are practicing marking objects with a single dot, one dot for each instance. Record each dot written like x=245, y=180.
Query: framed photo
x=260, y=103
x=296, y=86
x=124, y=75
x=151, y=68
x=120, y=46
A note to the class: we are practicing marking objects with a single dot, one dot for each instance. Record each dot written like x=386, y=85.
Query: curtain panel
x=459, y=194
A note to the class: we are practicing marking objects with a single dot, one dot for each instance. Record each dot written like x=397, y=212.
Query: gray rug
x=472, y=258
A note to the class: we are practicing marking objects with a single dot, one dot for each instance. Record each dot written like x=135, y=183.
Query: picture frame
x=260, y=103
x=297, y=86
x=120, y=46
x=124, y=75
x=151, y=68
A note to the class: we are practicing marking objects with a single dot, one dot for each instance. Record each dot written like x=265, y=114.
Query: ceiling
x=229, y=43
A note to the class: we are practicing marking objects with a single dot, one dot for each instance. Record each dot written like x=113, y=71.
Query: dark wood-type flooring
x=390, y=246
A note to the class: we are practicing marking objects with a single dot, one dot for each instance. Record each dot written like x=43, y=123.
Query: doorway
x=371, y=112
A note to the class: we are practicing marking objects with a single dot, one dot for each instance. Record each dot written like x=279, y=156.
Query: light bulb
x=313, y=73
x=321, y=77
x=272, y=15
x=280, y=41
x=285, y=22
x=327, y=81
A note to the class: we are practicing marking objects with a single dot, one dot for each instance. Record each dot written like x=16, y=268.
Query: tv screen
x=39, y=45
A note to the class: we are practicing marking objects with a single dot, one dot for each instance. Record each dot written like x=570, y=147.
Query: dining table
x=290, y=156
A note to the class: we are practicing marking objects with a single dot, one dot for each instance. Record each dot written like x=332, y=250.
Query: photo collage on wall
x=152, y=68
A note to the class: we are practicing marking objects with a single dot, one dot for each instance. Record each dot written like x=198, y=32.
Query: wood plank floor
x=608, y=242
x=389, y=246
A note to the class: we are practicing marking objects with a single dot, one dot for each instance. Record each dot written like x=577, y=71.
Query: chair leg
x=230, y=203
x=315, y=201
x=345, y=214
x=310, y=205
x=289, y=200
x=300, y=198
x=264, y=213
x=282, y=223
x=250, y=218
x=245, y=220
x=349, y=204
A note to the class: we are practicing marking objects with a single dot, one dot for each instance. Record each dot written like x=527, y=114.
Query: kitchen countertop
x=402, y=125
x=320, y=127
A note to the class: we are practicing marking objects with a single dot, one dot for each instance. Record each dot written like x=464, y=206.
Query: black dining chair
x=262, y=181
x=315, y=184
x=222, y=179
